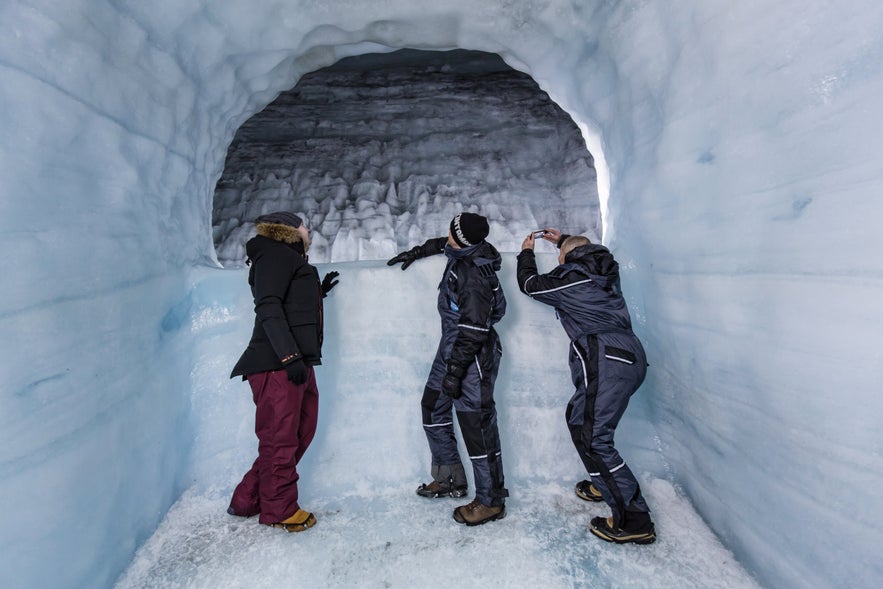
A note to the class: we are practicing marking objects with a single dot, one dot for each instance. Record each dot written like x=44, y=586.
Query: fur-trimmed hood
x=272, y=235
x=279, y=232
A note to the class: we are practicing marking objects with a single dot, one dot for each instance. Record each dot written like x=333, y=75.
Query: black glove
x=408, y=257
x=297, y=371
x=452, y=384
x=328, y=282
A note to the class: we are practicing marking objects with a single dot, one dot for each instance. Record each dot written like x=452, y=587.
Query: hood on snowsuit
x=598, y=262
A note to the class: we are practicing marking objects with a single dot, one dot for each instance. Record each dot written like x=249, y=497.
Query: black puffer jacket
x=287, y=303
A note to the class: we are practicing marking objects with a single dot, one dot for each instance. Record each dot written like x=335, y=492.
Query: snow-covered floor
x=397, y=539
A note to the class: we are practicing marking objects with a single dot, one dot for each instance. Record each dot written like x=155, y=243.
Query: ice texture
x=380, y=149
x=737, y=147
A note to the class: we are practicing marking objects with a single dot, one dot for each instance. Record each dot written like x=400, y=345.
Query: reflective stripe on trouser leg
x=477, y=415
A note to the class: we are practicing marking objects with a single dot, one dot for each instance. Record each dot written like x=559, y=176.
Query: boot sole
x=461, y=520
x=632, y=539
x=311, y=521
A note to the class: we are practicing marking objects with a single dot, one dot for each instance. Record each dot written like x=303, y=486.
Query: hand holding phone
x=552, y=235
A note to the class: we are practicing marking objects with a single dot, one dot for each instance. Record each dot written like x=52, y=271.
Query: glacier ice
x=380, y=148
x=737, y=147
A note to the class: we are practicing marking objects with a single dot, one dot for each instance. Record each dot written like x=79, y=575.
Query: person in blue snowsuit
x=462, y=377
x=607, y=365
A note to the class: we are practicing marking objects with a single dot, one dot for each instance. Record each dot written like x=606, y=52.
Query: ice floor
x=398, y=539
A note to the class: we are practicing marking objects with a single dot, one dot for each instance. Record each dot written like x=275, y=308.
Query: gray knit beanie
x=281, y=218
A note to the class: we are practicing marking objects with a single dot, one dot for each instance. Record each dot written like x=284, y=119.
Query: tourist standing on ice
x=285, y=345
x=470, y=302
x=607, y=365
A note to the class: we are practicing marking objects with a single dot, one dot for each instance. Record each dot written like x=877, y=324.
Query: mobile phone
x=539, y=233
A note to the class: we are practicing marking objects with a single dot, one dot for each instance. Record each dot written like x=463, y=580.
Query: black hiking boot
x=439, y=489
x=603, y=528
x=587, y=491
x=477, y=513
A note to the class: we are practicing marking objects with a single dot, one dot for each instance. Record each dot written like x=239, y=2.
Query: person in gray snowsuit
x=470, y=302
x=607, y=365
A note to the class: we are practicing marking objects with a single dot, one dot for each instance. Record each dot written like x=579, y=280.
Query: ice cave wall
x=743, y=147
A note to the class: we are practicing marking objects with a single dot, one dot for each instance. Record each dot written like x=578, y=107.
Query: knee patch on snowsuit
x=427, y=404
x=475, y=427
x=438, y=424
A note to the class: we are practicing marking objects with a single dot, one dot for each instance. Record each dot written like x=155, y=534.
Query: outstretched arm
x=430, y=247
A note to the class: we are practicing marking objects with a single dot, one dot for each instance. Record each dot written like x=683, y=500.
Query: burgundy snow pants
x=285, y=423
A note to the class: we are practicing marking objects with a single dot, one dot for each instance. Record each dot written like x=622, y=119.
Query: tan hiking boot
x=300, y=521
x=586, y=491
x=477, y=513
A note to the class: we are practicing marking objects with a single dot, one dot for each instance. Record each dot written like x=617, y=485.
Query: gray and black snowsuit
x=470, y=302
x=607, y=364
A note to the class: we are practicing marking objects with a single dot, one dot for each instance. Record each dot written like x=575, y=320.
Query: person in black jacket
x=470, y=302
x=607, y=365
x=278, y=363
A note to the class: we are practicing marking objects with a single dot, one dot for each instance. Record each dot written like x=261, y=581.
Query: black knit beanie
x=281, y=218
x=469, y=229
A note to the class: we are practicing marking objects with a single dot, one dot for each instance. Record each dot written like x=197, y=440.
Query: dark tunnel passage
x=379, y=150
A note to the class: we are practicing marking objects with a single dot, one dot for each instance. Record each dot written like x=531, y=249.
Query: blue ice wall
x=743, y=147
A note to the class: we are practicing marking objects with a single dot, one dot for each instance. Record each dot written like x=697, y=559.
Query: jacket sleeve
x=476, y=298
x=433, y=246
x=272, y=278
x=547, y=288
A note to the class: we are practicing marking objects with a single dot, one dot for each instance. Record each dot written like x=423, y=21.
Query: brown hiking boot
x=477, y=513
x=587, y=491
x=300, y=521
x=603, y=528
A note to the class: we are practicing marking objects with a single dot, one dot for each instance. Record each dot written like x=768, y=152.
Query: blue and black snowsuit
x=607, y=364
x=470, y=302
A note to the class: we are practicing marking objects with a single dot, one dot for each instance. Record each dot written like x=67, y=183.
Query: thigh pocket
x=619, y=355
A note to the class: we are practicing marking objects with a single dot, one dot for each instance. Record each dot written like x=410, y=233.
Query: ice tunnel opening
x=380, y=149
